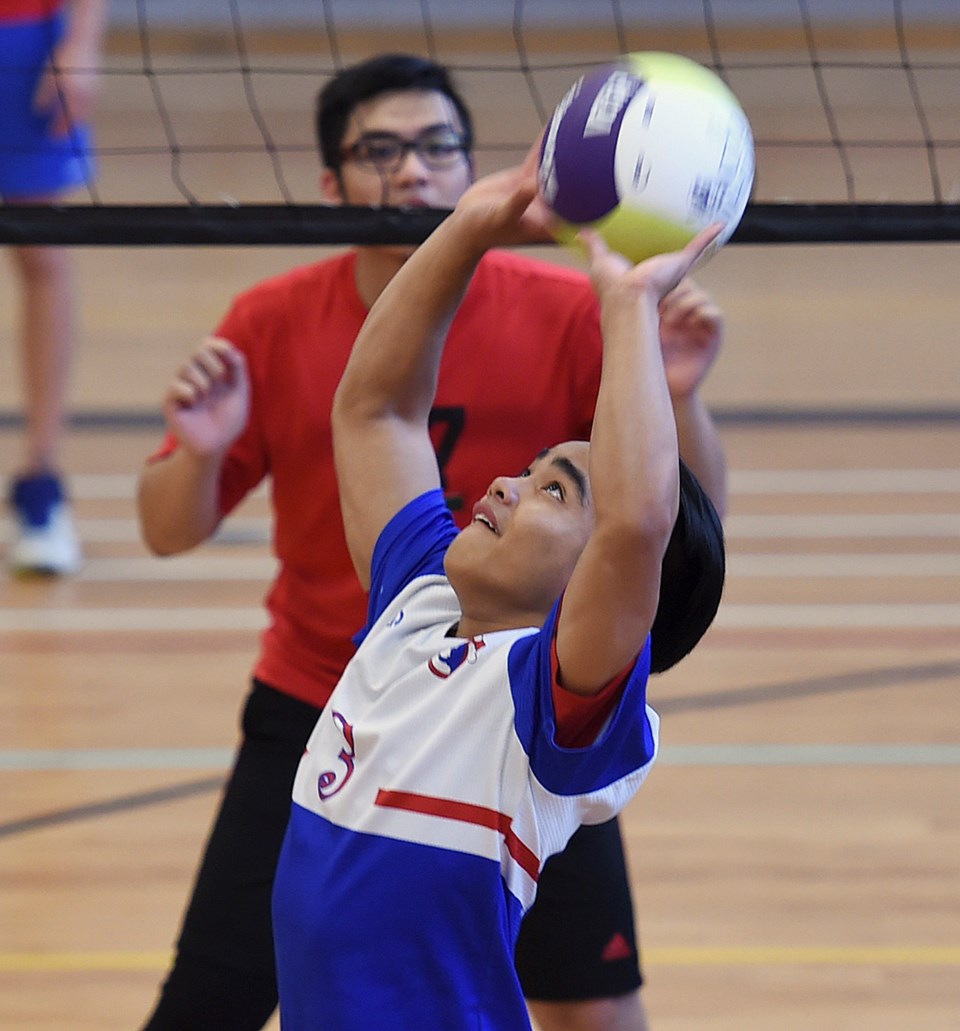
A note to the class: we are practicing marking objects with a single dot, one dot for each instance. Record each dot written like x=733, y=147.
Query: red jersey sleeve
x=580, y=718
x=28, y=10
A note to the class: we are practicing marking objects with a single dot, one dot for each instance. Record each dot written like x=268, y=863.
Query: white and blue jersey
x=429, y=797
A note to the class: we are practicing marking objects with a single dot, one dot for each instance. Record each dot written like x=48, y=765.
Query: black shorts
x=578, y=940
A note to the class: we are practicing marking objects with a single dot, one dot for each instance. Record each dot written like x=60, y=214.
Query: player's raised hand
x=691, y=334
x=208, y=401
x=655, y=276
x=505, y=208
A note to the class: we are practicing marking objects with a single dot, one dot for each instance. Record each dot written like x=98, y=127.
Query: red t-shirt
x=28, y=10
x=520, y=372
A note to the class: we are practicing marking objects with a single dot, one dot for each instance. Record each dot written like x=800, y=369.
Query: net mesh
x=204, y=133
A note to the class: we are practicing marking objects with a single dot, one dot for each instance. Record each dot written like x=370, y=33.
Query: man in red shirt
x=254, y=401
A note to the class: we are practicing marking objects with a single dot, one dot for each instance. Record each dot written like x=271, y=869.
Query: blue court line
x=893, y=754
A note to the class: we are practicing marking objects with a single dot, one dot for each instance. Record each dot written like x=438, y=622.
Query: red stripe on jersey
x=28, y=10
x=465, y=812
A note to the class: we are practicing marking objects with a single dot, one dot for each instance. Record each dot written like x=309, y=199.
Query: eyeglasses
x=437, y=148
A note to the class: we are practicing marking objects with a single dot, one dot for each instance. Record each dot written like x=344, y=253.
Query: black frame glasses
x=438, y=147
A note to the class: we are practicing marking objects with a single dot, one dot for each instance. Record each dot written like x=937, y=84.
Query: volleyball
x=647, y=151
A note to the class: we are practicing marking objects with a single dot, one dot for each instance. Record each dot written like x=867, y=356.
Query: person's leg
x=40, y=166
x=223, y=977
x=45, y=539
x=47, y=338
x=577, y=954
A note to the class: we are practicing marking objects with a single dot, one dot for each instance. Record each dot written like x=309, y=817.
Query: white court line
x=41, y=759
x=251, y=529
x=877, y=616
x=141, y=620
x=845, y=481
x=245, y=529
x=192, y=567
x=118, y=486
x=740, y=617
x=51, y=759
x=811, y=755
x=835, y=525
x=178, y=569
x=799, y=565
x=742, y=481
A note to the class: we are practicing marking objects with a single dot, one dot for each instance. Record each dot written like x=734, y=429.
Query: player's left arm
x=691, y=335
x=381, y=441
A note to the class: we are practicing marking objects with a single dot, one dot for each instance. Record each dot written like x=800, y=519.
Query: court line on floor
x=39, y=760
x=236, y=530
x=862, y=525
x=112, y=806
x=872, y=480
x=653, y=956
x=809, y=687
x=879, y=616
x=806, y=565
x=898, y=525
x=12, y=760
x=844, y=481
x=730, y=755
x=810, y=565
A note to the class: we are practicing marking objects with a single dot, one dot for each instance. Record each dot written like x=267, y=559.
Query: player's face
x=402, y=149
x=527, y=532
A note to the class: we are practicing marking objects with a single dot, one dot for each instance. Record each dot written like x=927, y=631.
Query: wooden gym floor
x=796, y=853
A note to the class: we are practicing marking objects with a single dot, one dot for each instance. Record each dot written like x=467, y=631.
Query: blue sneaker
x=45, y=542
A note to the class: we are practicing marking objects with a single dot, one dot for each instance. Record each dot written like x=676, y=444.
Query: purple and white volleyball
x=648, y=151
x=577, y=155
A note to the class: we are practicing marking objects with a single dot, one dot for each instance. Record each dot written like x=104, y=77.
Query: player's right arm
x=206, y=406
x=612, y=597
x=381, y=439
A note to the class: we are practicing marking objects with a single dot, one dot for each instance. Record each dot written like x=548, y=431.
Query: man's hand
x=691, y=334
x=208, y=402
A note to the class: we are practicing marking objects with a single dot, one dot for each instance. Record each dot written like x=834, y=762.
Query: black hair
x=383, y=74
x=691, y=579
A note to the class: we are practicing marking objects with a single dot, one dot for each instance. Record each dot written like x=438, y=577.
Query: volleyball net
x=205, y=128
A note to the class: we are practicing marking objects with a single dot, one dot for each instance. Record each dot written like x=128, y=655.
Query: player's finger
x=594, y=244
x=699, y=246
x=680, y=305
x=182, y=394
x=232, y=360
x=531, y=162
x=211, y=363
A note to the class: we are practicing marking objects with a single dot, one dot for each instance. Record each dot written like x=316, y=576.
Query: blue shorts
x=33, y=163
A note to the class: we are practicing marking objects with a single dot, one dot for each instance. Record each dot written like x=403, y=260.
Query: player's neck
x=482, y=618
x=375, y=267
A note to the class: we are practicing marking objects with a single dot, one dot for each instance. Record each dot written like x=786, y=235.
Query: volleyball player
x=49, y=69
x=392, y=130
x=497, y=700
